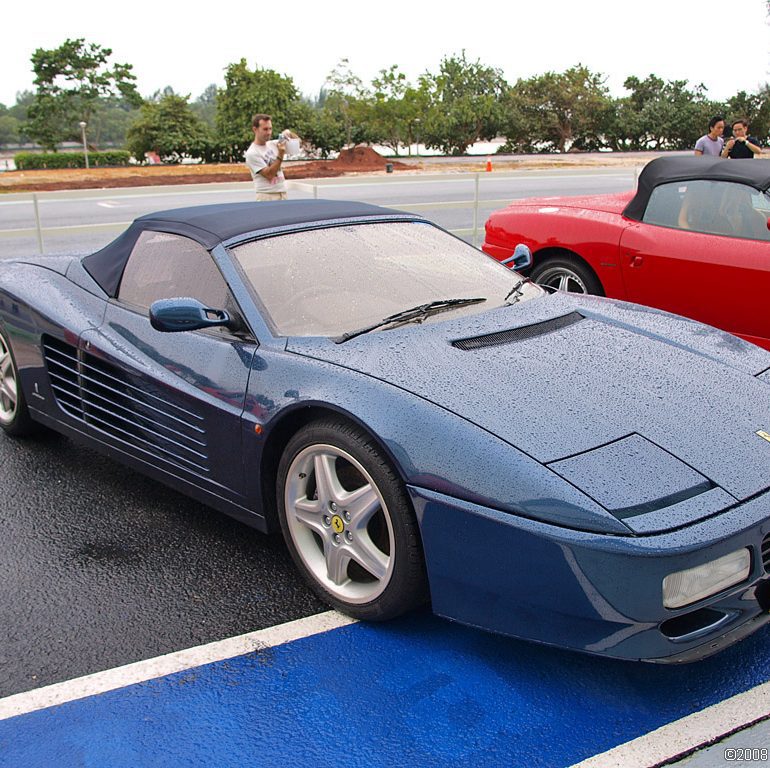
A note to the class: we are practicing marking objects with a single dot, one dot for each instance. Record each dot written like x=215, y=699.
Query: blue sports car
x=419, y=421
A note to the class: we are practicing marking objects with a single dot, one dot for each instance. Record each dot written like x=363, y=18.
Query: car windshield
x=332, y=281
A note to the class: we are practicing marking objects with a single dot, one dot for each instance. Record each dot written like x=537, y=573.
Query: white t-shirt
x=709, y=146
x=258, y=157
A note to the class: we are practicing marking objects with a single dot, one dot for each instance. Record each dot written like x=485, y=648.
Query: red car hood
x=607, y=203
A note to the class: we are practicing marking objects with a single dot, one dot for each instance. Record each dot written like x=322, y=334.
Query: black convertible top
x=212, y=224
x=666, y=169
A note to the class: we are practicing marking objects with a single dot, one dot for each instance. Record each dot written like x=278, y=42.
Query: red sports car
x=692, y=239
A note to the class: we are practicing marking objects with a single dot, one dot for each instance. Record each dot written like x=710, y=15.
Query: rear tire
x=14, y=414
x=567, y=273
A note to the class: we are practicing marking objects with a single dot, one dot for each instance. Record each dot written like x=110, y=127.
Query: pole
x=37, y=225
x=83, y=134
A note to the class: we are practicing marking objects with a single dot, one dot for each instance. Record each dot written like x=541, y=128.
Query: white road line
x=65, y=228
x=684, y=736
x=150, y=669
x=117, y=193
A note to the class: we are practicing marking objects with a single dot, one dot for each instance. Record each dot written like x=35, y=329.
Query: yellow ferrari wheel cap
x=339, y=526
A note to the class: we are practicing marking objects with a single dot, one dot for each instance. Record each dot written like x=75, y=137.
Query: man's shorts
x=267, y=196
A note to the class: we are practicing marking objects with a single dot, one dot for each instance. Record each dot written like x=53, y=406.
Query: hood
x=614, y=203
x=563, y=375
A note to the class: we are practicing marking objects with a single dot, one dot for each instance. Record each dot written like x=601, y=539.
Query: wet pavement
x=101, y=566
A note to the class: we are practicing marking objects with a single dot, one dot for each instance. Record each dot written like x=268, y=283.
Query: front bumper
x=591, y=592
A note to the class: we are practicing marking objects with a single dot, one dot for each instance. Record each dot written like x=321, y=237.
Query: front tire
x=567, y=273
x=348, y=522
x=14, y=414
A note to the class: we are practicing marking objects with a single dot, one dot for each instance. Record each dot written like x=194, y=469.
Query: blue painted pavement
x=415, y=692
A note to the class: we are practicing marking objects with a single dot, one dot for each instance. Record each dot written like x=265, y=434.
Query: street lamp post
x=83, y=125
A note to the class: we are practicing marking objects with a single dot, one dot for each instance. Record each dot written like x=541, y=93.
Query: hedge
x=35, y=161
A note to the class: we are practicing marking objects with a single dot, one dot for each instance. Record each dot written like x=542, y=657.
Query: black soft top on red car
x=667, y=169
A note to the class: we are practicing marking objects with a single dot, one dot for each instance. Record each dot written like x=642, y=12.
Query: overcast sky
x=726, y=46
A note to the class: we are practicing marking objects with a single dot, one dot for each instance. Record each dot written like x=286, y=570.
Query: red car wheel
x=565, y=273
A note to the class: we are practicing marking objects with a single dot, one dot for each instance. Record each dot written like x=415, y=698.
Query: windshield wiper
x=414, y=315
x=516, y=291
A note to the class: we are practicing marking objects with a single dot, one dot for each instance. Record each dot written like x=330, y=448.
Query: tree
x=9, y=127
x=555, y=112
x=246, y=93
x=71, y=80
x=19, y=111
x=324, y=131
x=348, y=100
x=205, y=106
x=168, y=127
x=167, y=90
x=110, y=122
x=660, y=114
x=754, y=108
x=396, y=109
x=23, y=101
x=465, y=104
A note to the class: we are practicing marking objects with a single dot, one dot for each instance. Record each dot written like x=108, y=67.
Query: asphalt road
x=100, y=566
x=87, y=220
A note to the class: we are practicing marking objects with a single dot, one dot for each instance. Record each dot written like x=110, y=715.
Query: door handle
x=637, y=261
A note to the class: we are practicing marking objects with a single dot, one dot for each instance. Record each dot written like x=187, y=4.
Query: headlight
x=685, y=587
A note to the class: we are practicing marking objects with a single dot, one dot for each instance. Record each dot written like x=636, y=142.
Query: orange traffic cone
x=489, y=164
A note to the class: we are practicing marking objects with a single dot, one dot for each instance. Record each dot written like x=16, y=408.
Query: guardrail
x=39, y=230
x=417, y=207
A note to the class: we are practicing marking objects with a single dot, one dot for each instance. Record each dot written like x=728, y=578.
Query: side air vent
x=518, y=334
x=766, y=553
x=103, y=396
x=62, y=363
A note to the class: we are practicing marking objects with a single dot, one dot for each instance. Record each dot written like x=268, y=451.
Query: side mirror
x=185, y=314
x=521, y=259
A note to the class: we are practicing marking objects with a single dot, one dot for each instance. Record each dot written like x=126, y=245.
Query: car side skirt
x=168, y=478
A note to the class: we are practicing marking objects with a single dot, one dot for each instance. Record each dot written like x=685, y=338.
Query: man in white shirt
x=712, y=143
x=264, y=158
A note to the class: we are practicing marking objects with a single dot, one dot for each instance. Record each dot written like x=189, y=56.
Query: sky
x=725, y=46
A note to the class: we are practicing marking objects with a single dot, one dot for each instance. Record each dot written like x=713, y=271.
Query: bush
x=34, y=161
x=169, y=128
x=217, y=151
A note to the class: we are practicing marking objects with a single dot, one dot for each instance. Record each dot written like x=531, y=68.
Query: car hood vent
x=102, y=395
x=514, y=335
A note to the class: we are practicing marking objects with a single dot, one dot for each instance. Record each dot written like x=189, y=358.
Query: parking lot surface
x=419, y=691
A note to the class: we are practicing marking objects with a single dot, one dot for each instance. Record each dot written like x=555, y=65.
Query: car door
x=173, y=400
x=702, y=250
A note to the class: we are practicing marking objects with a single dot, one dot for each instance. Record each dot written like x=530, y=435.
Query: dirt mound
x=356, y=159
x=363, y=159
